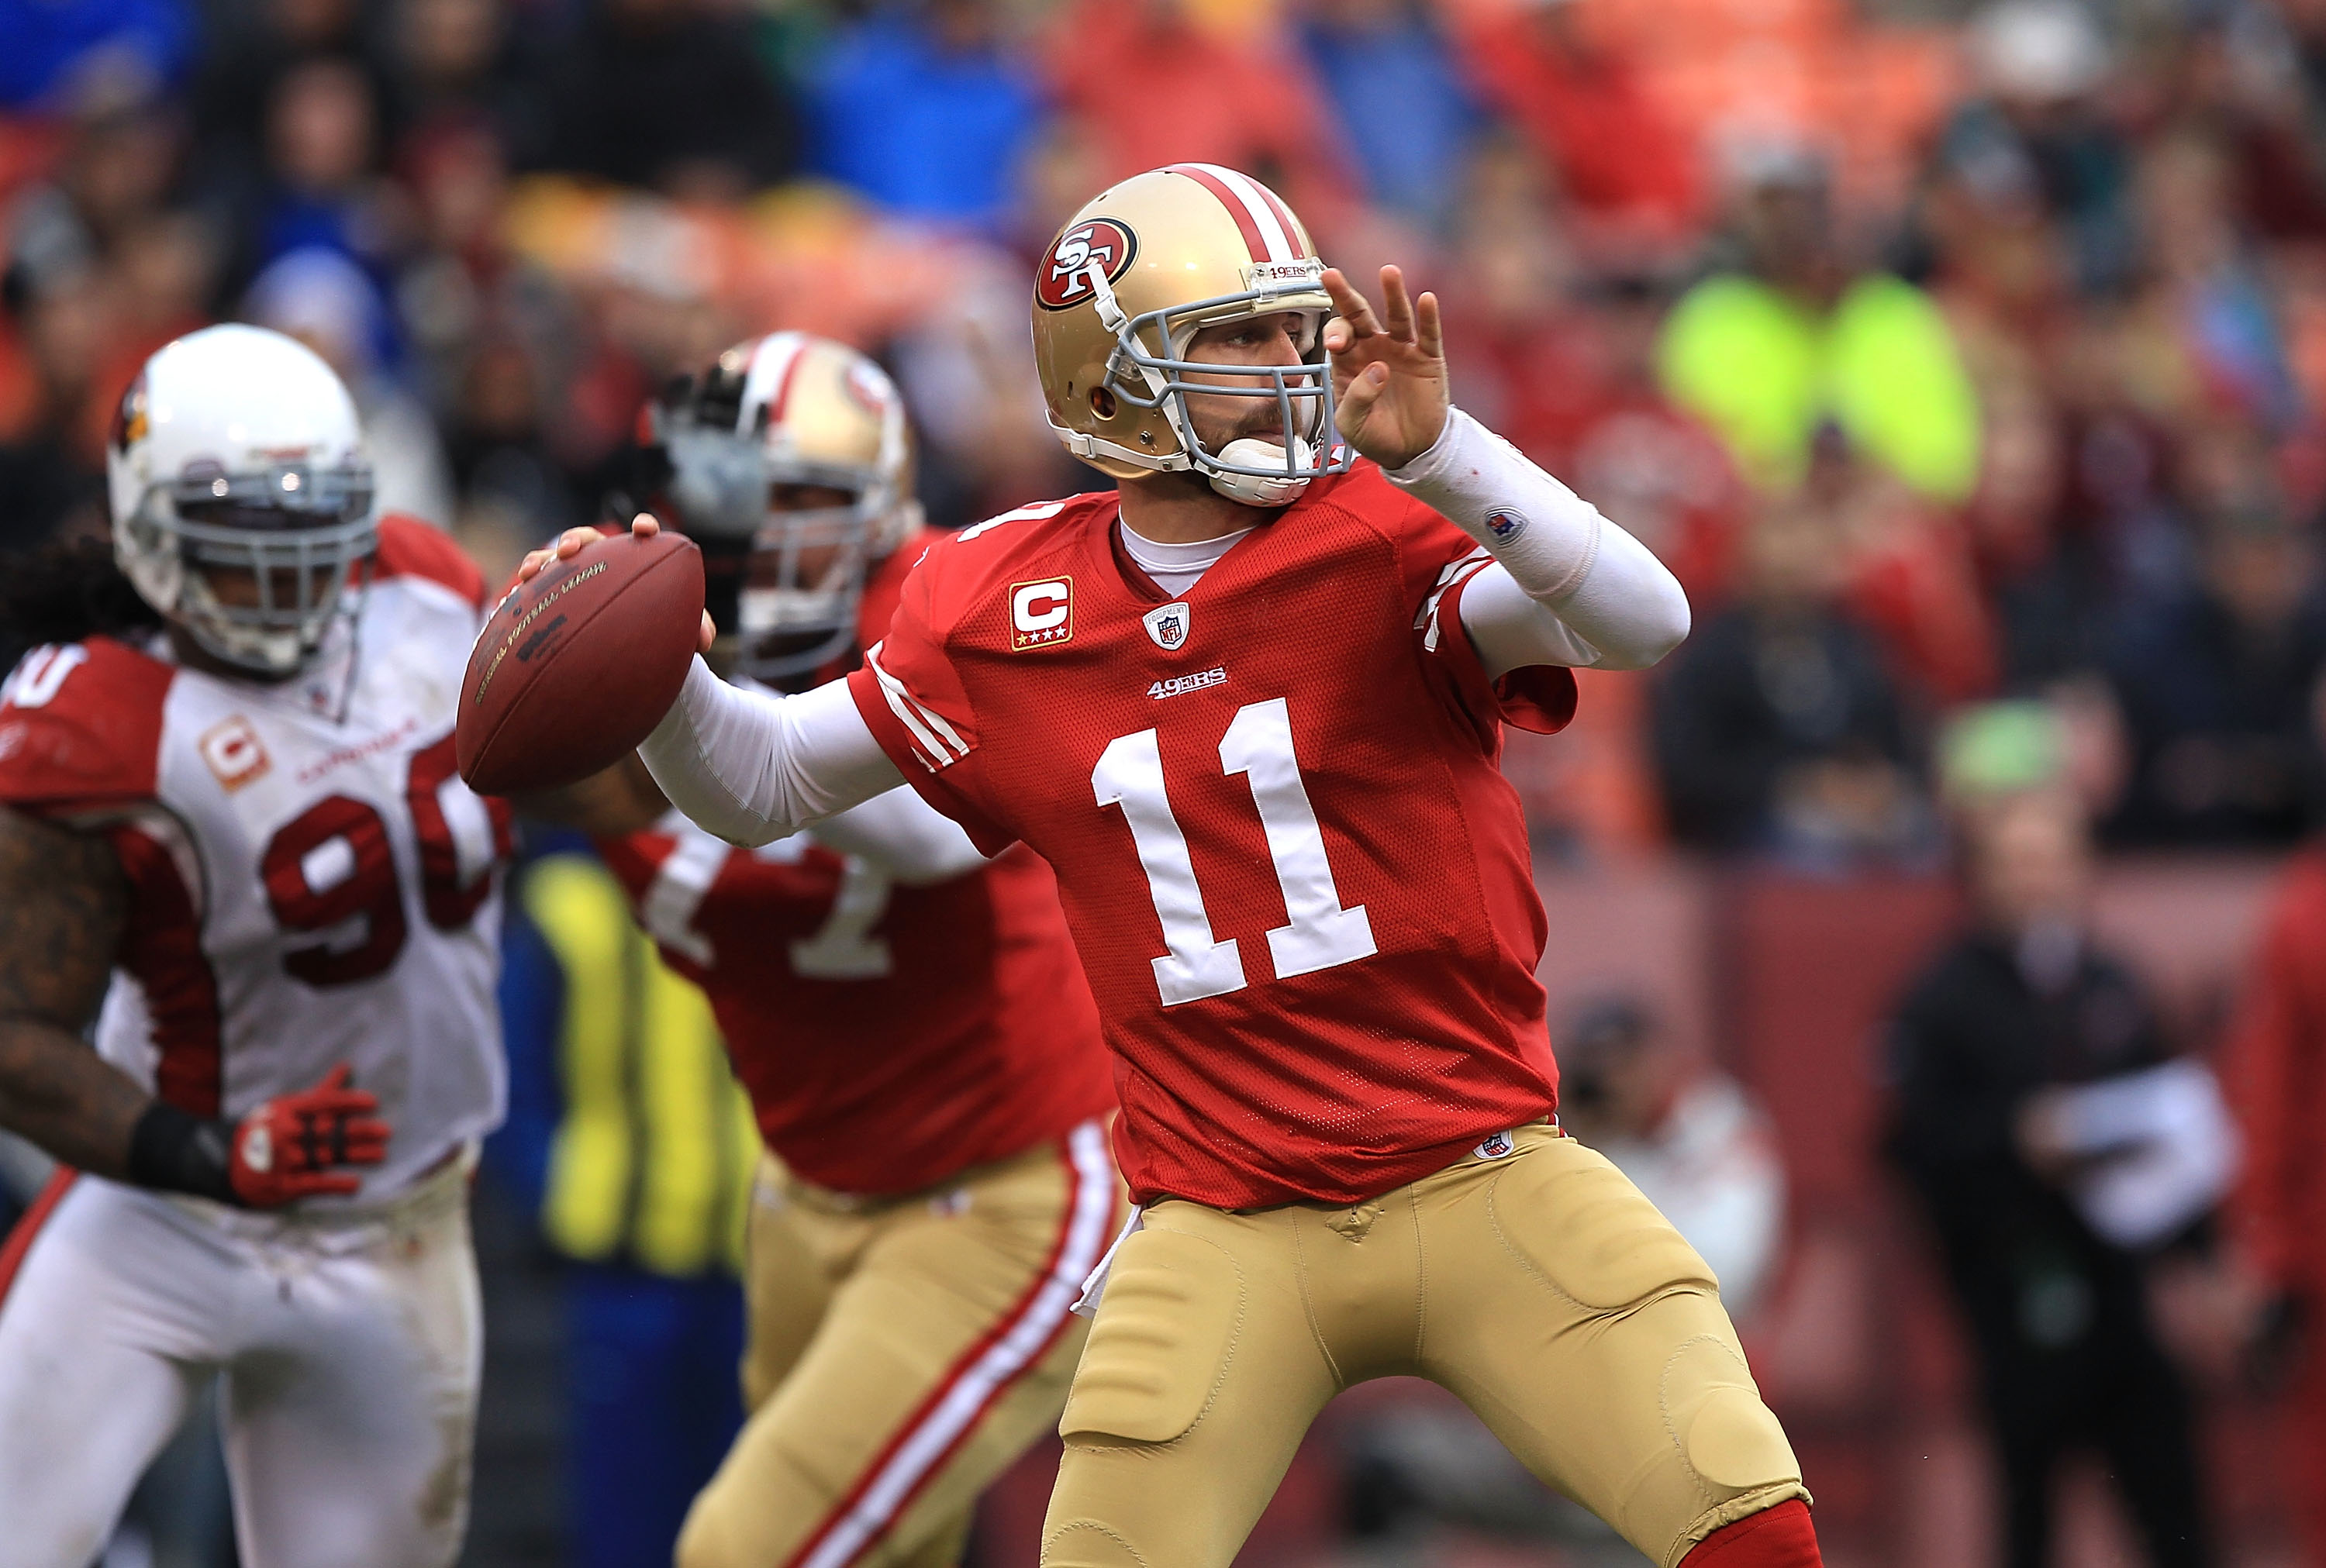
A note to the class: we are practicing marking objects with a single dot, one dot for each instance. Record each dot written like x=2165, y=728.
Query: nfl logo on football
x=1167, y=626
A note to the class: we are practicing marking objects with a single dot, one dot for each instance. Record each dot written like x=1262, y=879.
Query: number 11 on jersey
x=1318, y=935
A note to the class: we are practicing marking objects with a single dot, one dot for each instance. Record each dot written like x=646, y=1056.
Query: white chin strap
x=1258, y=489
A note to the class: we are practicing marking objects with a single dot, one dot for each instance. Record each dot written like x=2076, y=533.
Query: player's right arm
x=64, y=903
x=750, y=766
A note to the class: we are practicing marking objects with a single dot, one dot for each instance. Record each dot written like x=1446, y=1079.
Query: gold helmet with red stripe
x=1127, y=284
x=774, y=418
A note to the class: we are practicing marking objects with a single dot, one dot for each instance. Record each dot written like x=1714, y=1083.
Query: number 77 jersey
x=1299, y=885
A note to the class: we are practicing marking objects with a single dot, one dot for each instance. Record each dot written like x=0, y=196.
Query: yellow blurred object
x=651, y=1163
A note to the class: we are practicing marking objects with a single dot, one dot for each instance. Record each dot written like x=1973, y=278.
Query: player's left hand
x=574, y=541
x=301, y=1145
x=1388, y=372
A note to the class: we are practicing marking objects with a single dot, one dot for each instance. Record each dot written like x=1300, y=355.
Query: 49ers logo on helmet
x=1099, y=242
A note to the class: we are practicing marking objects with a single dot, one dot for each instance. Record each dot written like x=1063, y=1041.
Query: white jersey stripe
x=975, y=1386
x=1456, y=573
x=1281, y=245
x=941, y=738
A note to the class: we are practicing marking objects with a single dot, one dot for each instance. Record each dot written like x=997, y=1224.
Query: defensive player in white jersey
x=233, y=836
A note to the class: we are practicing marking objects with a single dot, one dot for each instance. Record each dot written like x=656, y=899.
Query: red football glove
x=297, y=1145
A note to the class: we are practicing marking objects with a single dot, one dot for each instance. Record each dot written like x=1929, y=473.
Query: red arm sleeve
x=1539, y=697
x=80, y=729
x=2276, y=1052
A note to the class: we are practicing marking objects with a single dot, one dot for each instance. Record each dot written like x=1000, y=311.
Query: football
x=576, y=667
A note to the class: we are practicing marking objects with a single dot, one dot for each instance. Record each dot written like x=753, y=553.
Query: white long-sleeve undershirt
x=1567, y=587
x=753, y=768
x=903, y=837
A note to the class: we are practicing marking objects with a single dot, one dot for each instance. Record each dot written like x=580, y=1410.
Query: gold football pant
x=1539, y=1286
x=902, y=1354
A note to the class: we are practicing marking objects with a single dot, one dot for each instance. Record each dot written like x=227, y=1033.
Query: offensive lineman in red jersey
x=1250, y=713
x=918, y=1044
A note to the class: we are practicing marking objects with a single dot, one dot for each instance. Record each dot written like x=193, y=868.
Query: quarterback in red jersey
x=1251, y=711
x=917, y=1038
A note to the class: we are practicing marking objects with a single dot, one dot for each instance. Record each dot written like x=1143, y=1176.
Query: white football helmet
x=237, y=451
x=788, y=408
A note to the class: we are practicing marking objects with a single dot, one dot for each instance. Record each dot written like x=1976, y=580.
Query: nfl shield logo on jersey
x=1167, y=626
x=1495, y=1147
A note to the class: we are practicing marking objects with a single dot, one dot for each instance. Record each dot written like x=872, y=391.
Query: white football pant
x=350, y=1345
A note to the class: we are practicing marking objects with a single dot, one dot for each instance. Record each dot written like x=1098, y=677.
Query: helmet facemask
x=299, y=532
x=793, y=578
x=1252, y=470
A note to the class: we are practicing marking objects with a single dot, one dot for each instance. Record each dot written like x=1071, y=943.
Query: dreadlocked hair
x=65, y=591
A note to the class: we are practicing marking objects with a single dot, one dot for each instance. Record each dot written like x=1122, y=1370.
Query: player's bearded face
x=1274, y=339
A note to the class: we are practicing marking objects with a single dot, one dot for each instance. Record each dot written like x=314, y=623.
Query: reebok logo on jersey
x=1041, y=613
x=234, y=755
x=1177, y=684
x=1167, y=626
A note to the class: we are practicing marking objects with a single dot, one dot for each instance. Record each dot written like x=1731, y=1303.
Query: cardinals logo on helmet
x=1100, y=242
x=130, y=424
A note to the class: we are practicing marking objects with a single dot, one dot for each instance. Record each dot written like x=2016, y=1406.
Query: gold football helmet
x=1125, y=285
x=773, y=415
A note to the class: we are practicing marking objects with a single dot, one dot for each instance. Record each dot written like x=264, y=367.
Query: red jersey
x=889, y=1037
x=1299, y=883
x=2277, y=1059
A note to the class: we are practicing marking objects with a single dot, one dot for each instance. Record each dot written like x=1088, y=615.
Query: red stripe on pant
x=962, y=1365
x=29, y=1224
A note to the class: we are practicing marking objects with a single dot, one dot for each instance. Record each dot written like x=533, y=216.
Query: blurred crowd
x=1943, y=361
x=1967, y=361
